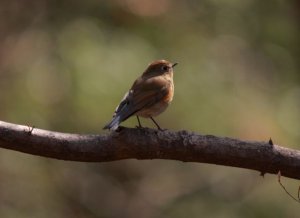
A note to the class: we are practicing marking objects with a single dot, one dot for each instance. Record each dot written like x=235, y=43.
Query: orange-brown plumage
x=149, y=95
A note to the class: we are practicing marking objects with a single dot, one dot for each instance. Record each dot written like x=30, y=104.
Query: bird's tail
x=114, y=123
x=122, y=112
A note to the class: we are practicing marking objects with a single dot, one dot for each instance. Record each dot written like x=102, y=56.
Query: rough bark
x=152, y=144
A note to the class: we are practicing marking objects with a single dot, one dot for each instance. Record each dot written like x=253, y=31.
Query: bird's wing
x=123, y=103
x=142, y=94
x=120, y=112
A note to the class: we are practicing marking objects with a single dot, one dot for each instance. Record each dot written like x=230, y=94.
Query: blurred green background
x=65, y=65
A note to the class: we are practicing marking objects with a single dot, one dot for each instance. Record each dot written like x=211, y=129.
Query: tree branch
x=152, y=144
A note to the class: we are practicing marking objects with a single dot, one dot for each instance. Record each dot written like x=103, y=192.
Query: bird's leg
x=158, y=127
x=139, y=126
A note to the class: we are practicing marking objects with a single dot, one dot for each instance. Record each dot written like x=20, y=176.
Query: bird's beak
x=173, y=65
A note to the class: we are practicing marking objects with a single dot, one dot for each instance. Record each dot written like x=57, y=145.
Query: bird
x=149, y=96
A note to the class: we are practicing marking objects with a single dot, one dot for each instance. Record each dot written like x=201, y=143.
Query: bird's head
x=159, y=67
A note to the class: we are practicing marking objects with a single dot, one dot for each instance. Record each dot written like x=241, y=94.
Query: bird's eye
x=165, y=68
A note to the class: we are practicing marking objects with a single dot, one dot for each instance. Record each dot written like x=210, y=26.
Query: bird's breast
x=169, y=96
x=160, y=106
x=154, y=110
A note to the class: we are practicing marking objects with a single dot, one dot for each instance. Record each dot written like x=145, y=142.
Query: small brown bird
x=149, y=95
